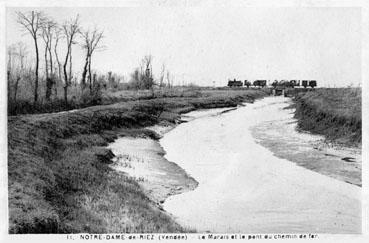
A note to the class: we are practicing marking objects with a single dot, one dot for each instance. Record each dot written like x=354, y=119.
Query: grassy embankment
x=78, y=99
x=58, y=167
x=332, y=112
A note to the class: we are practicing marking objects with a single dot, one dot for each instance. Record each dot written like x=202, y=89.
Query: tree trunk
x=66, y=78
x=66, y=96
x=52, y=75
x=84, y=73
x=49, y=78
x=59, y=72
x=94, y=79
x=89, y=73
x=16, y=89
x=36, y=72
x=49, y=86
x=70, y=65
x=46, y=63
x=51, y=61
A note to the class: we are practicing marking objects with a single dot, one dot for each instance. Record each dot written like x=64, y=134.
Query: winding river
x=258, y=174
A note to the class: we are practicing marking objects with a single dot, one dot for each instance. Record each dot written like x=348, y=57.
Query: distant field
x=111, y=96
x=333, y=112
x=77, y=100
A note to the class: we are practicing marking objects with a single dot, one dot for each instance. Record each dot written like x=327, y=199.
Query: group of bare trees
x=166, y=79
x=53, y=43
x=40, y=26
x=142, y=77
x=16, y=52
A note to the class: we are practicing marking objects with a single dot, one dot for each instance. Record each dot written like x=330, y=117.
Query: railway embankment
x=59, y=174
x=332, y=112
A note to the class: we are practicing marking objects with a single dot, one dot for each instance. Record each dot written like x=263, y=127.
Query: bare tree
x=169, y=80
x=48, y=30
x=58, y=36
x=11, y=53
x=21, y=52
x=16, y=67
x=136, y=79
x=91, y=43
x=32, y=22
x=10, y=69
x=162, y=76
x=70, y=65
x=147, y=76
x=70, y=28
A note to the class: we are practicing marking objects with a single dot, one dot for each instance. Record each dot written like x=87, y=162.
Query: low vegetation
x=335, y=113
x=58, y=167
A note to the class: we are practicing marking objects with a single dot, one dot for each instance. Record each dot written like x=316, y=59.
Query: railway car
x=295, y=83
x=275, y=83
x=312, y=83
x=247, y=83
x=234, y=83
x=260, y=83
x=305, y=83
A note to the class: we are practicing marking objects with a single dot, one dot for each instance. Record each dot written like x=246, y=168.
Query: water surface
x=246, y=185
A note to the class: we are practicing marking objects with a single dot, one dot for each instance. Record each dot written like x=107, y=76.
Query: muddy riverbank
x=283, y=137
x=143, y=159
x=335, y=113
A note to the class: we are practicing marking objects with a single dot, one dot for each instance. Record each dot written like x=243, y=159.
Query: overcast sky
x=206, y=44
